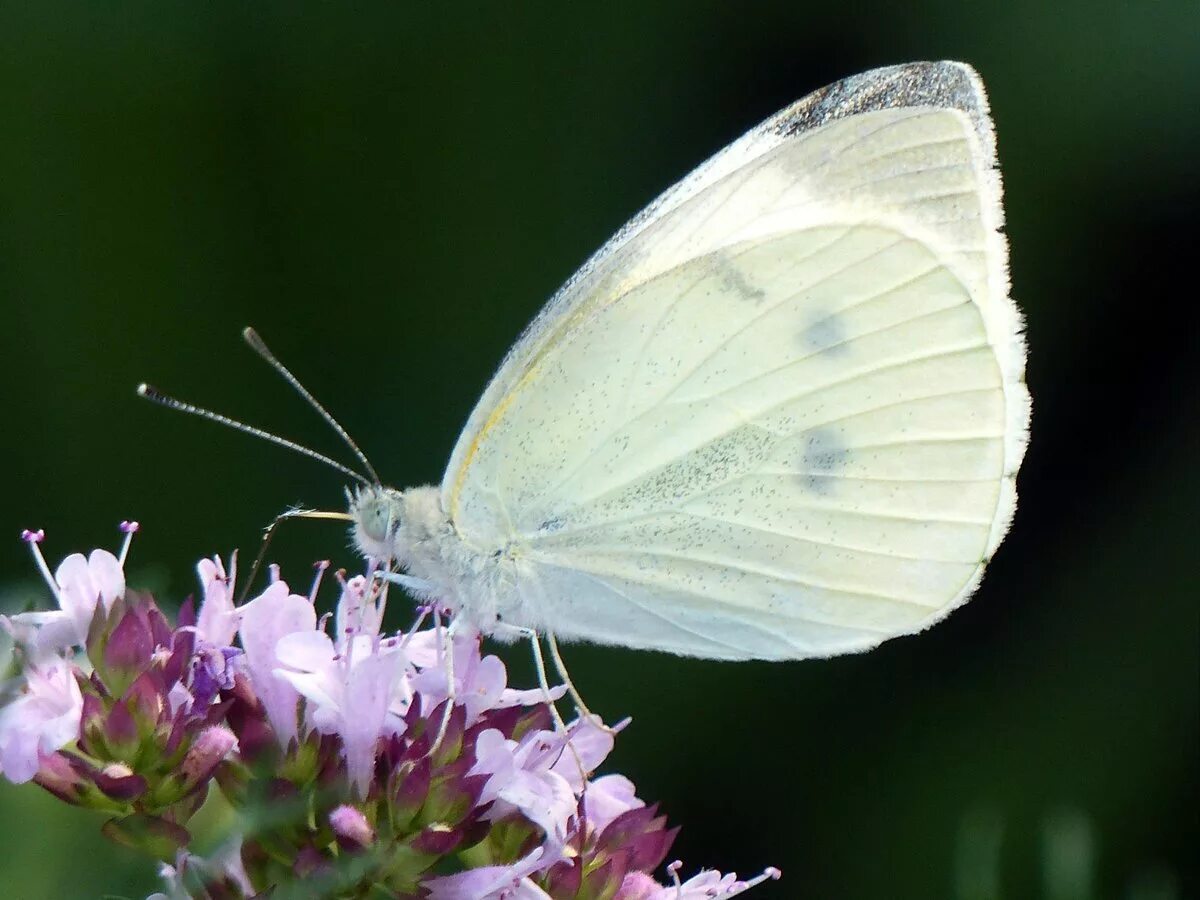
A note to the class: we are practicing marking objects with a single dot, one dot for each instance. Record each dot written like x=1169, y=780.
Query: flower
x=706, y=885
x=42, y=719
x=217, y=622
x=540, y=776
x=480, y=682
x=214, y=666
x=352, y=684
x=79, y=584
x=518, y=780
x=491, y=882
x=265, y=621
x=350, y=688
x=361, y=761
x=609, y=797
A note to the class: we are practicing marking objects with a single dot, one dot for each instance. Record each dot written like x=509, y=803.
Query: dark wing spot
x=825, y=334
x=824, y=455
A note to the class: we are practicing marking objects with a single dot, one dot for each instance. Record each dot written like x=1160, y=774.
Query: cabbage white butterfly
x=779, y=415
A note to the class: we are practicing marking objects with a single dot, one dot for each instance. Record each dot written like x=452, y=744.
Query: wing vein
x=826, y=348
x=608, y=492
x=625, y=424
x=759, y=572
x=754, y=320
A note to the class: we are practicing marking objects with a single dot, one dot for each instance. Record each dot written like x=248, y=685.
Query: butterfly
x=778, y=415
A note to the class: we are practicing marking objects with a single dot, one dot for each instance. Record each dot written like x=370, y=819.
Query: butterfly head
x=378, y=516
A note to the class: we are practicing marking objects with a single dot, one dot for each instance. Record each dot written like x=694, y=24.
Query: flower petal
x=265, y=620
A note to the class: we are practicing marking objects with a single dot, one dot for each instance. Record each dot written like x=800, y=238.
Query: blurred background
x=389, y=192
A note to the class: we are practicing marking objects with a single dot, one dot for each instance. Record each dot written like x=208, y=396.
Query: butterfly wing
x=780, y=414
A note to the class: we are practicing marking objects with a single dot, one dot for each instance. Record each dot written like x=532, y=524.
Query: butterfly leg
x=424, y=590
x=580, y=706
x=539, y=663
x=446, y=644
x=418, y=587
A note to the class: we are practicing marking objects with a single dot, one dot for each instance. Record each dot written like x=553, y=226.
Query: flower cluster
x=362, y=762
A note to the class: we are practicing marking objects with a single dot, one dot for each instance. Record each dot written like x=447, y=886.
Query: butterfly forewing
x=781, y=413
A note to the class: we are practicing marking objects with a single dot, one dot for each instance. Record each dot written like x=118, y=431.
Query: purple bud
x=186, y=617
x=180, y=725
x=437, y=840
x=308, y=861
x=120, y=729
x=120, y=782
x=147, y=698
x=91, y=724
x=160, y=628
x=641, y=832
x=452, y=740
x=248, y=718
x=56, y=774
x=351, y=828
x=183, y=645
x=130, y=645
x=411, y=788
x=534, y=718
x=566, y=878
x=604, y=880
x=208, y=751
x=648, y=851
x=453, y=794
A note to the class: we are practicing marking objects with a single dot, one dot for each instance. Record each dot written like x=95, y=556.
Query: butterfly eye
x=377, y=520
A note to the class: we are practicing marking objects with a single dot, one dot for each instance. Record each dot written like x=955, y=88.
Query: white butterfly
x=779, y=415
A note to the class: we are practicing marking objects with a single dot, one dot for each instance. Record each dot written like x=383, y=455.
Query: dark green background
x=389, y=191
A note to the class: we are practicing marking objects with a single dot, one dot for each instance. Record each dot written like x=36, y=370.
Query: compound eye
x=375, y=522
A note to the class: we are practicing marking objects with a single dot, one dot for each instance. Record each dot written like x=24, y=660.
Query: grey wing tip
x=944, y=84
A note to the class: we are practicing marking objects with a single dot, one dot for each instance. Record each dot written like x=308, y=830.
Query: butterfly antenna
x=154, y=395
x=258, y=346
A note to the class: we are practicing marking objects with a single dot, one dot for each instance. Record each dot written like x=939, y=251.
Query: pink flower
x=358, y=612
x=217, y=621
x=608, y=797
x=706, y=885
x=351, y=827
x=491, y=882
x=222, y=871
x=409, y=788
x=265, y=621
x=79, y=584
x=216, y=661
x=353, y=682
x=480, y=682
x=44, y=718
x=520, y=778
x=590, y=746
x=349, y=690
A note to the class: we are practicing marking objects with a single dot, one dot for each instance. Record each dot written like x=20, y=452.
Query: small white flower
x=41, y=720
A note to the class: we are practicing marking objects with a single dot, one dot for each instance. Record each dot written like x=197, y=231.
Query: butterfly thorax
x=410, y=528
